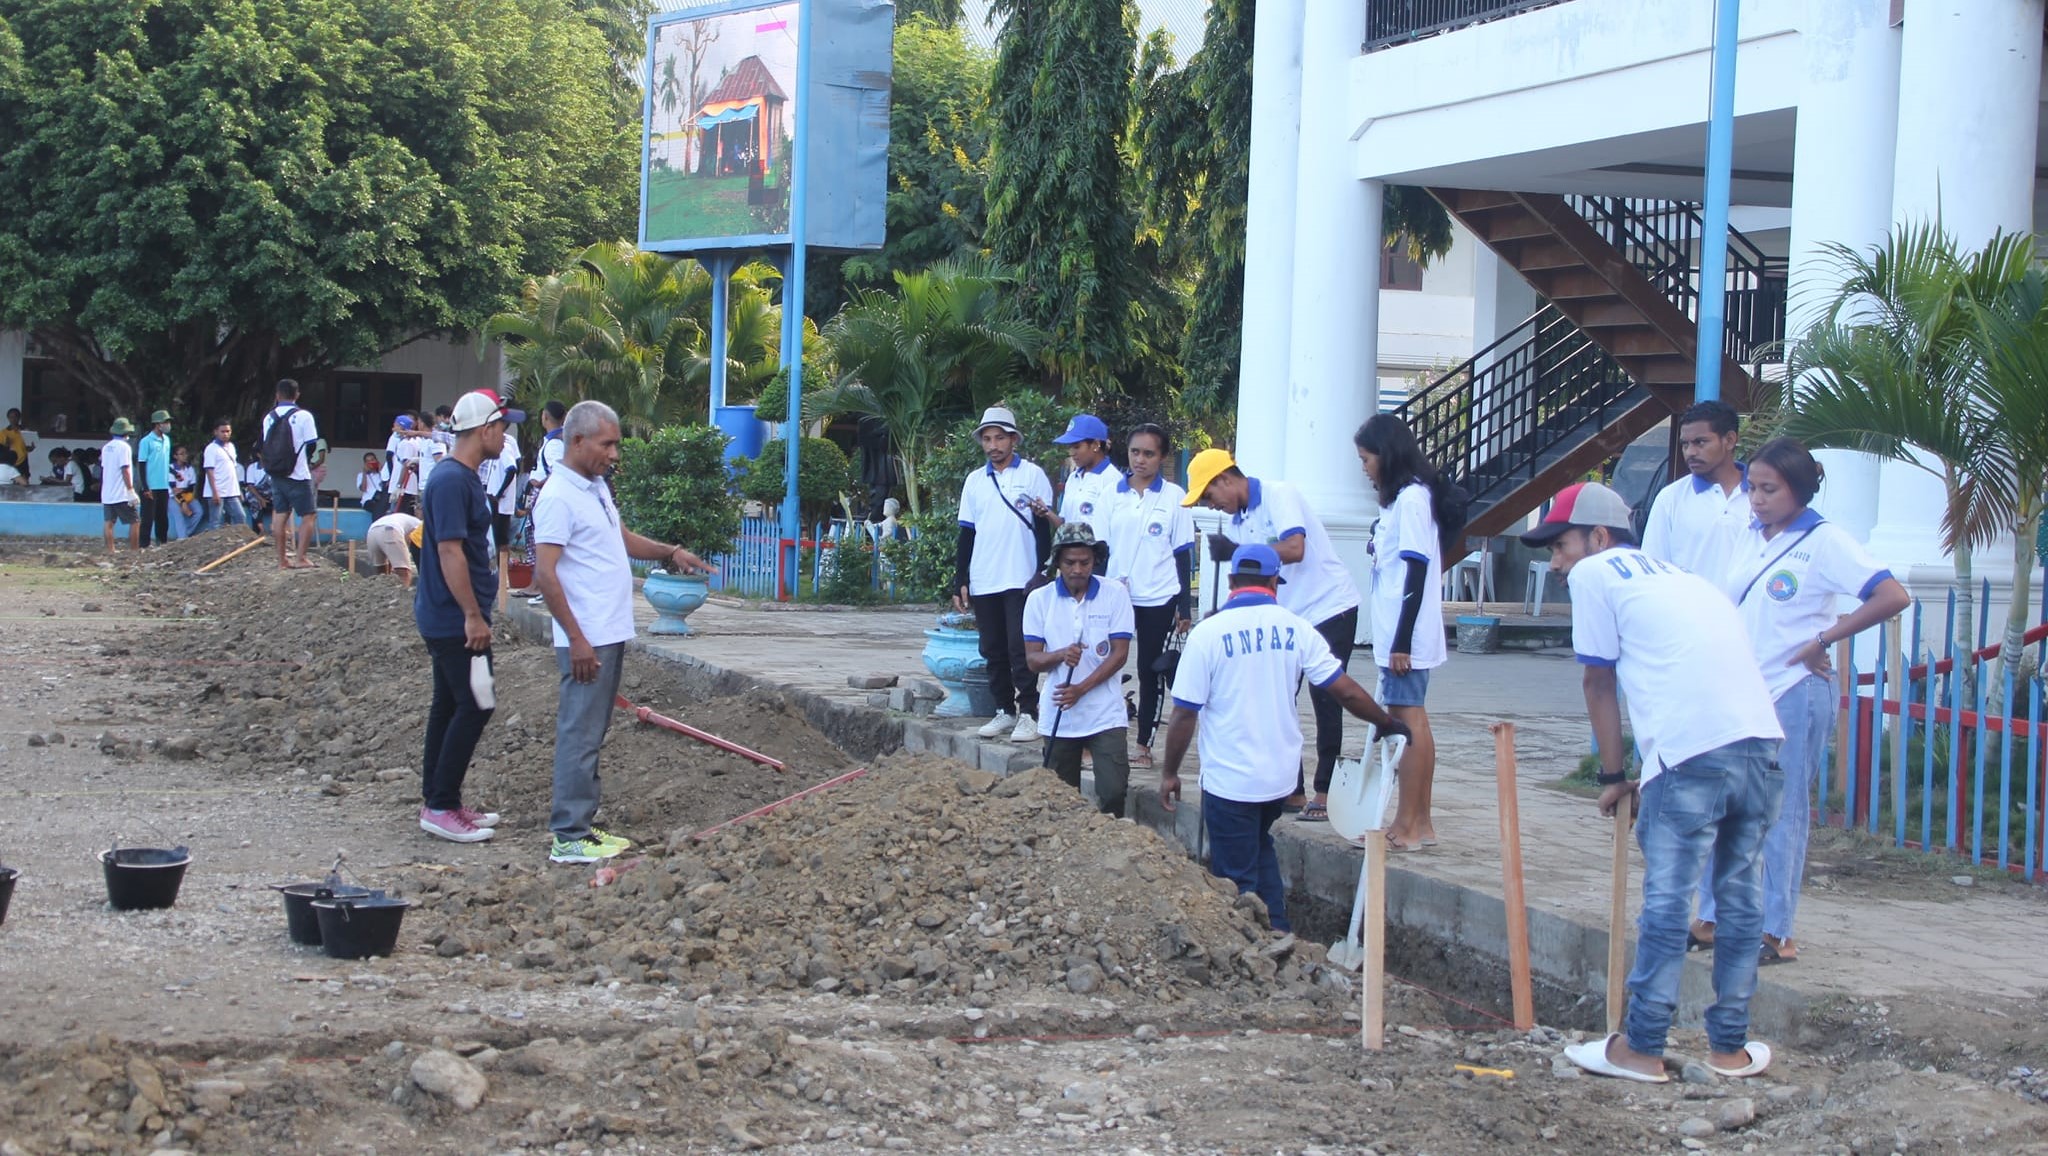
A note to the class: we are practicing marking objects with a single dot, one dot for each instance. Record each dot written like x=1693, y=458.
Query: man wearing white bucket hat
x=1003, y=535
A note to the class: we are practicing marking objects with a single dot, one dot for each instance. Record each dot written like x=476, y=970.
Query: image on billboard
x=722, y=110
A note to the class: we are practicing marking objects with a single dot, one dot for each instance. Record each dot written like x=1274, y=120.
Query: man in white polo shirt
x=1238, y=675
x=1675, y=646
x=1695, y=521
x=585, y=574
x=1318, y=586
x=1002, y=515
x=1077, y=633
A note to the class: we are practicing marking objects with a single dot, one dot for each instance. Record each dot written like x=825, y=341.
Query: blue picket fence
x=754, y=566
x=1942, y=755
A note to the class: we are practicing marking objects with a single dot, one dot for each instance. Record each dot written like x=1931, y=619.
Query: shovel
x=1358, y=806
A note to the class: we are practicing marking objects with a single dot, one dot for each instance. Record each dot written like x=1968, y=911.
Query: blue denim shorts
x=1403, y=689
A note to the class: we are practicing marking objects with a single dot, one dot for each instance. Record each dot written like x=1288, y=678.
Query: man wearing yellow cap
x=1318, y=587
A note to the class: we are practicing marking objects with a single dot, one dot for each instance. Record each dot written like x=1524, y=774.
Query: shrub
x=1039, y=418
x=823, y=474
x=671, y=487
x=923, y=564
x=773, y=404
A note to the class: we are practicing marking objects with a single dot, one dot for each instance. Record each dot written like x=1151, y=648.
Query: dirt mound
x=925, y=880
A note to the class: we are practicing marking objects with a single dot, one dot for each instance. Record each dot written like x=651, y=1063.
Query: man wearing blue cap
x=1094, y=477
x=1238, y=673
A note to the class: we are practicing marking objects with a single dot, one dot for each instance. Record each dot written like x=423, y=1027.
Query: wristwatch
x=1607, y=780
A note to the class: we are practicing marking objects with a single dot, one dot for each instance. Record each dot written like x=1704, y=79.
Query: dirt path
x=924, y=959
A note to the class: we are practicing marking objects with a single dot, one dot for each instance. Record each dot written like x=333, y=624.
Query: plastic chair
x=1539, y=576
x=1467, y=577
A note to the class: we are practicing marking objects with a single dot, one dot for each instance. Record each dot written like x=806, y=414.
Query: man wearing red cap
x=1710, y=784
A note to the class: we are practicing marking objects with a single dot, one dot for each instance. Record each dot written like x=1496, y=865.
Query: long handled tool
x=244, y=548
x=1057, y=713
x=1358, y=807
x=647, y=715
x=1617, y=915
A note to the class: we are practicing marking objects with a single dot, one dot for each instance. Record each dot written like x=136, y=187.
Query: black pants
x=1000, y=618
x=1339, y=632
x=156, y=514
x=454, y=724
x=1154, y=623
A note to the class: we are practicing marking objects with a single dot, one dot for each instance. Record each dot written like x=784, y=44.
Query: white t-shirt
x=253, y=475
x=1680, y=652
x=76, y=473
x=224, y=477
x=1240, y=668
x=579, y=515
x=304, y=432
x=1694, y=525
x=1788, y=586
x=1406, y=530
x=407, y=457
x=997, y=504
x=1318, y=587
x=1057, y=619
x=1086, y=498
x=115, y=456
x=367, y=485
x=550, y=457
x=1146, y=529
x=8, y=474
x=507, y=465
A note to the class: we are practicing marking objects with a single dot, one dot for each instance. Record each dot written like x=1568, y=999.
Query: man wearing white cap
x=1003, y=534
x=1675, y=645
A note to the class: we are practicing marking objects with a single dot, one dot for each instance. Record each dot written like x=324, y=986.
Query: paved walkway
x=1946, y=938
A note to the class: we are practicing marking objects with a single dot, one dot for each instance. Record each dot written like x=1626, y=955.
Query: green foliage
x=197, y=196
x=823, y=473
x=1059, y=187
x=922, y=564
x=957, y=454
x=773, y=404
x=847, y=577
x=671, y=487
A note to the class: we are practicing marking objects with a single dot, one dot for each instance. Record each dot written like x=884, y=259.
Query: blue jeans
x=1718, y=804
x=224, y=512
x=1807, y=712
x=582, y=715
x=1241, y=850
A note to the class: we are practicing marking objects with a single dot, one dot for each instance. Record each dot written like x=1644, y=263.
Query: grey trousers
x=1112, y=765
x=583, y=713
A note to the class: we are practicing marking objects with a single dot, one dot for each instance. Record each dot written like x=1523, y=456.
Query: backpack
x=278, y=455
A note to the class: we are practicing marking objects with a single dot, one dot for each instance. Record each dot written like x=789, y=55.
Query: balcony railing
x=1391, y=22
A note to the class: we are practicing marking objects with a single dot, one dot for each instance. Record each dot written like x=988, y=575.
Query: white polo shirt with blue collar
x=996, y=505
x=1694, y=525
x=1087, y=495
x=1318, y=587
x=1059, y=620
x=1145, y=529
x=1785, y=587
x=1239, y=671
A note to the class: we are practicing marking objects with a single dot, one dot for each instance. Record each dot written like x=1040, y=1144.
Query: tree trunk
x=1966, y=603
x=2020, y=609
x=909, y=459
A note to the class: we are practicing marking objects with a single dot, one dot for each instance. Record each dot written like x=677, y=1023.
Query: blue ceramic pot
x=950, y=653
x=673, y=596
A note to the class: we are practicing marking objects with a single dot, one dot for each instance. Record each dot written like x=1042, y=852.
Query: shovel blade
x=1347, y=954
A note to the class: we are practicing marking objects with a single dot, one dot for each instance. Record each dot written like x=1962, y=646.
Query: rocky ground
x=922, y=958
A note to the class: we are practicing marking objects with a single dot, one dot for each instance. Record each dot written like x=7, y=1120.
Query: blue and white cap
x=1256, y=560
x=1084, y=427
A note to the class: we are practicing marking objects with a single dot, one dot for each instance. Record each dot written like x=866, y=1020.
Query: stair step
x=1538, y=254
x=1662, y=370
x=1606, y=314
x=1571, y=285
x=1635, y=341
x=1508, y=225
x=1479, y=200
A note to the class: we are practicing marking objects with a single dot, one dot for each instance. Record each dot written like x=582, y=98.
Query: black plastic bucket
x=360, y=928
x=7, y=877
x=144, y=878
x=300, y=920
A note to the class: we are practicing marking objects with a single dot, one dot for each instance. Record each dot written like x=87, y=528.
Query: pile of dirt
x=925, y=879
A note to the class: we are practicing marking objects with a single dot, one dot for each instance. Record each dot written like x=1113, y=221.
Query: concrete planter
x=951, y=652
x=673, y=597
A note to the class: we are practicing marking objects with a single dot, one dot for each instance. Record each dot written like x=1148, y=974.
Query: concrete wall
x=84, y=520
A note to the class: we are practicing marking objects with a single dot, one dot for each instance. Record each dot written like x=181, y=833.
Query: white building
x=1569, y=134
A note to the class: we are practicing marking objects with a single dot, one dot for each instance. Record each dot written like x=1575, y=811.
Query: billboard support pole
x=1714, y=213
x=719, y=265
x=793, y=301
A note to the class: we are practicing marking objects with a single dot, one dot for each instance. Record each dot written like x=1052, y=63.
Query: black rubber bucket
x=360, y=928
x=300, y=920
x=7, y=877
x=144, y=878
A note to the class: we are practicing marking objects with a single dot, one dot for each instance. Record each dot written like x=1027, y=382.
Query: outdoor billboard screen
x=723, y=94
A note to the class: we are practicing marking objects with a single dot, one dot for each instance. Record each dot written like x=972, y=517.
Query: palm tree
x=753, y=335
x=1892, y=369
x=949, y=334
x=546, y=339
x=2011, y=485
x=642, y=334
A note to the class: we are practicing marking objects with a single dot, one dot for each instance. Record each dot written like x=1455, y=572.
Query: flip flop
x=1759, y=1058
x=1768, y=954
x=1142, y=759
x=1314, y=813
x=1695, y=943
x=1394, y=844
x=1591, y=1056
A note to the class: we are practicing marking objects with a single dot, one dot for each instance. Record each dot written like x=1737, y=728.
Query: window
x=53, y=403
x=1398, y=271
x=357, y=409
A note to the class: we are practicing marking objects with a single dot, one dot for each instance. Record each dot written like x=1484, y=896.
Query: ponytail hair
x=1402, y=462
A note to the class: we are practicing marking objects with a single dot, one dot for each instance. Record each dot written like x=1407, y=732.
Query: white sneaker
x=997, y=725
x=1027, y=729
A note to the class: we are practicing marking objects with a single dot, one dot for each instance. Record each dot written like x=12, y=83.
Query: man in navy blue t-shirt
x=457, y=588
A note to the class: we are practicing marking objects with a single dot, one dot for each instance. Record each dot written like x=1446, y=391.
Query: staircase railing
x=1391, y=22
x=1493, y=417
x=1662, y=240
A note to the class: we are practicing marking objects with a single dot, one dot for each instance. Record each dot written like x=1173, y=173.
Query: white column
x=1841, y=191
x=1269, y=240
x=1969, y=105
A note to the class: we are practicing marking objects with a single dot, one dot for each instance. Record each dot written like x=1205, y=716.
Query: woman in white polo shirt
x=1785, y=574
x=1151, y=551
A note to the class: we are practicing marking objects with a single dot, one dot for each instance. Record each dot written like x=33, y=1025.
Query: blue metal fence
x=753, y=568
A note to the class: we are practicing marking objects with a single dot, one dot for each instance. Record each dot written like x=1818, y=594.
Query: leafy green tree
x=2013, y=336
x=1059, y=208
x=672, y=486
x=200, y=196
x=824, y=476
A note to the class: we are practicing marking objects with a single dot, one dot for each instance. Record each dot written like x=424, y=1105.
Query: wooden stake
x=1373, y=933
x=504, y=580
x=1617, y=918
x=236, y=552
x=351, y=557
x=1519, y=981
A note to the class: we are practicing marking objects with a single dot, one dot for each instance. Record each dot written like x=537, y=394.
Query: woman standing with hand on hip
x=1421, y=516
x=1785, y=574
x=1151, y=551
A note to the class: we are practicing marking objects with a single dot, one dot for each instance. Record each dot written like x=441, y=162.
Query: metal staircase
x=1609, y=355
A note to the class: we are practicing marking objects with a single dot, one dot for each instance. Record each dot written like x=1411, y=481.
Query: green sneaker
x=585, y=850
x=615, y=842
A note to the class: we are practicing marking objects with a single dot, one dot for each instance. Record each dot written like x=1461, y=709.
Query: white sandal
x=1759, y=1059
x=1592, y=1056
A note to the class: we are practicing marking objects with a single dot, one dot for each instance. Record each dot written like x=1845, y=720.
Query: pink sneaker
x=479, y=818
x=452, y=826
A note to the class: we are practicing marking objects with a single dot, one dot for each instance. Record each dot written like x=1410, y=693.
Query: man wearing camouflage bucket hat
x=1077, y=633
